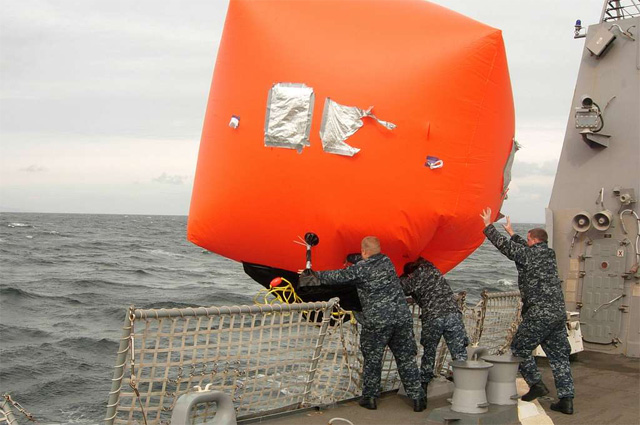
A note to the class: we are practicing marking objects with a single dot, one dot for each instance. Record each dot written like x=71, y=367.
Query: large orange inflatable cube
x=441, y=80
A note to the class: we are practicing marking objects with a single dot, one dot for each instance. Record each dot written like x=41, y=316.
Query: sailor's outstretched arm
x=511, y=249
x=337, y=277
x=514, y=236
x=514, y=251
x=408, y=282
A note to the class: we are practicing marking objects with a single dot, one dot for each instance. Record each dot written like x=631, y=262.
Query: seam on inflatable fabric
x=484, y=96
x=441, y=219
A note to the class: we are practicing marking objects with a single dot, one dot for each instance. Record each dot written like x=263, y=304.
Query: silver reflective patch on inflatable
x=289, y=112
x=340, y=122
x=506, y=176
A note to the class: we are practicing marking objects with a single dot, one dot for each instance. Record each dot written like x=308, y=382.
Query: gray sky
x=102, y=102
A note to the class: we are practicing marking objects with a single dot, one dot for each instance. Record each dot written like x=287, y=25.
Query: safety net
x=269, y=358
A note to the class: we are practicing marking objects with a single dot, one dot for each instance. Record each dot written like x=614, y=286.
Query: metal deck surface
x=607, y=392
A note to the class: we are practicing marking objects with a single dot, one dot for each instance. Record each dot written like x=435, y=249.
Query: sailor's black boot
x=564, y=405
x=368, y=403
x=536, y=390
x=425, y=385
x=419, y=404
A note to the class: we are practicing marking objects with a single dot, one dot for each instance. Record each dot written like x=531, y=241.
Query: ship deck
x=607, y=392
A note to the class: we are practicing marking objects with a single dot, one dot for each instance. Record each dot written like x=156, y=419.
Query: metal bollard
x=501, y=386
x=470, y=379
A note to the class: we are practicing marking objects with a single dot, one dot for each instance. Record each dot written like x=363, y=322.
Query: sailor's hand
x=508, y=227
x=486, y=216
x=308, y=278
x=353, y=258
x=409, y=268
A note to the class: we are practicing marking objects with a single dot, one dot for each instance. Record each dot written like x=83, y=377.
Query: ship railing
x=490, y=323
x=614, y=10
x=499, y=319
x=7, y=406
x=268, y=358
x=6, y=413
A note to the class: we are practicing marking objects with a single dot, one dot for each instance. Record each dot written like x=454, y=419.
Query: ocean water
x=66, y=281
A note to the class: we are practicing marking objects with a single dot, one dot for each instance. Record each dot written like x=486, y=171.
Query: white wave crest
x=162, y=252
x=18, y=225
x=506, y=282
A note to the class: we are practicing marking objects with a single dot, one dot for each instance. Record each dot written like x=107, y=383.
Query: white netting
x=262, y=357
x=500, y=316
x=268, y=358
x=6, y=416
x=491, y=324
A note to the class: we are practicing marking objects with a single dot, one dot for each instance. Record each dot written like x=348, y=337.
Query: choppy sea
x=66, y=281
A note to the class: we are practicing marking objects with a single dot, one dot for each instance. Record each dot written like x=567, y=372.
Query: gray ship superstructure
x=592, y=217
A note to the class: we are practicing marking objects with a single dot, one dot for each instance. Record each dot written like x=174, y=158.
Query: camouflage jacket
x=522, y=241
x=381, y=297
x=430, y=290
x=538, y=281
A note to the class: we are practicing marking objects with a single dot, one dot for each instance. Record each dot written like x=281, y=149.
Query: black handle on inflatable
x=311, y=239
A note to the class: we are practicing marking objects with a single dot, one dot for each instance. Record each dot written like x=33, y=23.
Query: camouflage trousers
x=402, y=343
x=552, y=336
x=452, y=329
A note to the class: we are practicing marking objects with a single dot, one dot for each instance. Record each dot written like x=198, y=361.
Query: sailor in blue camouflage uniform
x=386, y=320
x=440, y=314
x=543, y=311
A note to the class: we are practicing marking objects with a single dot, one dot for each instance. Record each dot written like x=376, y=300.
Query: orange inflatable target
x=439, y=86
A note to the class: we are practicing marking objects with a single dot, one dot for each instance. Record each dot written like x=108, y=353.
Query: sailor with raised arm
x=386, y=320
x=543, y=311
